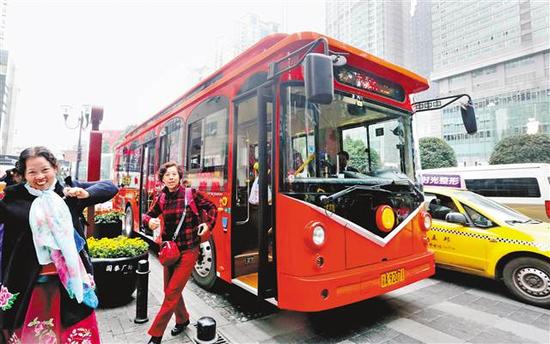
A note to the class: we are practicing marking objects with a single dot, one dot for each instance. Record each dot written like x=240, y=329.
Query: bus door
x=253, y=234
x=148, y=180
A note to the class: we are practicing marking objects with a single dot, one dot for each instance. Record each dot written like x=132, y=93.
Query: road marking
x=523, y=330
x=421, y=332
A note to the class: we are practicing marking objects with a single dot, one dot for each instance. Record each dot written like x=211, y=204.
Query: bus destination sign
x=369, y=82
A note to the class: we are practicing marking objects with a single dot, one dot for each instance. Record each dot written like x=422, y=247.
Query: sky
x=130, y=57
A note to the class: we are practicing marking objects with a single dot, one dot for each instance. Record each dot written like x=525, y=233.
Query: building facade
x=8, y=90
x=498, y=52
x=397, y=31
x=246, y=31
x=373, y=26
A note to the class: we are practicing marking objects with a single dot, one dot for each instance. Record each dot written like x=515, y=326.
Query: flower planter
x=115, y=279
x=107, y=230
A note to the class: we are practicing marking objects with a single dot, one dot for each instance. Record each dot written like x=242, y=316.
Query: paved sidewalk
x=116, y=325
x=230, y=306
x=443, y=309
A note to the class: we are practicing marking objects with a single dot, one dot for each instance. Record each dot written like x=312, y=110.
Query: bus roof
x=258, y=53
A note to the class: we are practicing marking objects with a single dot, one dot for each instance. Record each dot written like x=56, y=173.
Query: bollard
x=142, y=283
x=206, y=331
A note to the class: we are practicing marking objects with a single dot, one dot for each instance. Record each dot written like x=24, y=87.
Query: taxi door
x=462, y=246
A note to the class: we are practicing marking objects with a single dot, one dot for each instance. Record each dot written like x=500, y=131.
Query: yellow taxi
x=474, y=234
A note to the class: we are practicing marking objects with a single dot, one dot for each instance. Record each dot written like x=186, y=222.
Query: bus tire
x=128, y=224
x=204, y=272
x=528, y=279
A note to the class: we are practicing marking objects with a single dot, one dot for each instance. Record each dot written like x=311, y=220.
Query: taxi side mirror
x=457, y=218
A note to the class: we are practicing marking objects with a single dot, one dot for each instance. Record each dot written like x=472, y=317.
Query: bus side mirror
x=469, y=117
x=319, y=78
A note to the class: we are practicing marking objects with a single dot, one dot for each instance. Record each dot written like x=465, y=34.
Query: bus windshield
x=377, y=141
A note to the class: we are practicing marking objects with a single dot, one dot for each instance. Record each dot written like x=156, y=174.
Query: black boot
x=179, y=328
x=155, y=340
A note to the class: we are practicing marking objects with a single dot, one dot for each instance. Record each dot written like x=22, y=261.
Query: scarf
x=51, y=224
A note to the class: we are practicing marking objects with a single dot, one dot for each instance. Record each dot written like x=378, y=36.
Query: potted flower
x=108, y=224
x=115, y=262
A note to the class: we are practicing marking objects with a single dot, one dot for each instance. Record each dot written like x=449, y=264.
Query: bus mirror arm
x=466, y=110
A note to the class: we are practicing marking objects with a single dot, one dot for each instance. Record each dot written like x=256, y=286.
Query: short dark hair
x=166, y=166
x=344, y=153
x=34, y=152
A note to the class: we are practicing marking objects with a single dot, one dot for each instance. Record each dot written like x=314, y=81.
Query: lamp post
x=83, y=122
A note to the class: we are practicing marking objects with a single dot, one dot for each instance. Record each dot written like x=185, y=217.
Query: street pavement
x=448, y=308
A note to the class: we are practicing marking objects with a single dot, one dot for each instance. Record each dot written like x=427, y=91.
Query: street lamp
x=83, y=122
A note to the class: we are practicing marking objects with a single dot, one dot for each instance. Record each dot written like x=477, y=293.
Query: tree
x=436, y=153
x=357, y=155
x=522, y=149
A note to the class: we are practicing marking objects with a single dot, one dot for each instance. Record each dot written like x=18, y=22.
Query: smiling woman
x=51, y=289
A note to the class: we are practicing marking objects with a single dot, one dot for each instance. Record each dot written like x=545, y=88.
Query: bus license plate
x=392, y=277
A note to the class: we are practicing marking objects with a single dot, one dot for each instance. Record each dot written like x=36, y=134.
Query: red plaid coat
x=170, y=205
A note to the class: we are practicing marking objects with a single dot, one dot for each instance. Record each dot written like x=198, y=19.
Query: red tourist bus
x=260, y=138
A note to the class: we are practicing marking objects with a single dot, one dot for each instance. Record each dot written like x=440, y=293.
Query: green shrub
x=118, y=247
x=112, y=216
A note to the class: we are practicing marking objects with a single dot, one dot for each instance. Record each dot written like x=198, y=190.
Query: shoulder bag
x=169, y=253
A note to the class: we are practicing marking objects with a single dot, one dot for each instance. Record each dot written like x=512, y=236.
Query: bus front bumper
x=327, y=291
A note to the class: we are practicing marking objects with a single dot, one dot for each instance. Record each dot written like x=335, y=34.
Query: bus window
x=171, y=142
x=367, y=131
x=128, y=168
x=148, y=175
x=215, y=141
x=247, y=148
x=195, y=145
x=207, y=145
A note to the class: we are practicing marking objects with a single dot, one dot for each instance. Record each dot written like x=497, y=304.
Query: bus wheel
x=529, y=280
x=128, y=224
x=204, y=272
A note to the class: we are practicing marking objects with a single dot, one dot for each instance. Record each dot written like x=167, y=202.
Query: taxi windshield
x=350, y=140
x=494, y=209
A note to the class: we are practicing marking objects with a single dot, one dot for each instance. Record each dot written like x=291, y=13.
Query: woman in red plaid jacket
x=200, y=217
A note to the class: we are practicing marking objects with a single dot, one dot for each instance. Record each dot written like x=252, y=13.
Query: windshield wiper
x=518, y=221
x=328, y=199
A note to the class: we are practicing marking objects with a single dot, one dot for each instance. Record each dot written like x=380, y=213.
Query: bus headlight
x=315, y=235
x=318, y=235
x=425, y=221
x=385, y=218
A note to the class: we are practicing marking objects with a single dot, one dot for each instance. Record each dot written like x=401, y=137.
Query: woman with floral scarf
x=47, y=293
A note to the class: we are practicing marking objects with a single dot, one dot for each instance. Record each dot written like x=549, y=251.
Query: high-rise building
x=498, y=52
x=7, y=87
x=8, y=95
x=397, y=31
x=246, y=31
x=373, y=26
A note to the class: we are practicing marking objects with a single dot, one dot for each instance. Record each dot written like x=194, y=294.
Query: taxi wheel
x=204, y=272
x=529, y=280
